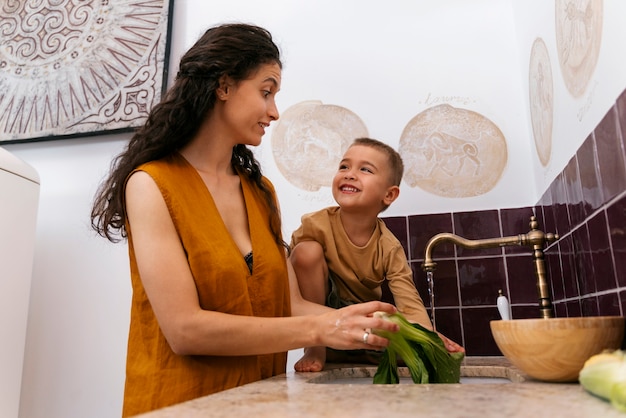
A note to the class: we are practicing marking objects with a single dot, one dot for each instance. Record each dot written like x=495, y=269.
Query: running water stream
x=431, y=296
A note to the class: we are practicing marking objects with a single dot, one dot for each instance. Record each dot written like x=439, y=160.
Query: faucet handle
x=538, y=237
x=550, y=237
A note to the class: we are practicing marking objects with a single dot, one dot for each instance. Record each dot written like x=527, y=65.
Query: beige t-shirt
x=360, y=271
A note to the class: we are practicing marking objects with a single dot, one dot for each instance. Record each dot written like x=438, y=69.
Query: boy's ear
x=392, y=194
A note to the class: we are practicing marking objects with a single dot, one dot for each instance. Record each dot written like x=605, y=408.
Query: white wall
x=388, y=61
x=19, y=188
x=80, y=290
x=574, y=118
x=384, y=60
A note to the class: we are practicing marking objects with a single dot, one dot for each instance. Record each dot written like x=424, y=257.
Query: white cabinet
x=19, y=198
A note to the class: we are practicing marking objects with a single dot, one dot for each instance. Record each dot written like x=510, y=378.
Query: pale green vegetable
x=604, y=375
x=423, y=352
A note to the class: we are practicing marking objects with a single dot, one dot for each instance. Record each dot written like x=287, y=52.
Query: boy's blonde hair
x=395, y=161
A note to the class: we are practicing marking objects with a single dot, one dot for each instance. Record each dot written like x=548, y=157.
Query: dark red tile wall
x=585, y=205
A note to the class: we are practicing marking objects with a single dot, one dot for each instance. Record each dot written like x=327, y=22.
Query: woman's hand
x=350, y=328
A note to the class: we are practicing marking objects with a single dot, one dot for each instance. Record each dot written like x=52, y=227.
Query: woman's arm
x=189, y=329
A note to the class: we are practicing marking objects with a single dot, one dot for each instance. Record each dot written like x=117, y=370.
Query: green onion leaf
x=423, y=352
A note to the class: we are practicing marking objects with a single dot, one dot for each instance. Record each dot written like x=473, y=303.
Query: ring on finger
x=365, y=337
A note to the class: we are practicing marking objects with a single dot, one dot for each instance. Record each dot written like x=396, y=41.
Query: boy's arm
x=406, y=297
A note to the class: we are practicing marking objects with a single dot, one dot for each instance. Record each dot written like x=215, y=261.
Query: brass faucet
x=534, y=238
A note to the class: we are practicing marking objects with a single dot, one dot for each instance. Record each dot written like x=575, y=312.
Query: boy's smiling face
x=363, y=180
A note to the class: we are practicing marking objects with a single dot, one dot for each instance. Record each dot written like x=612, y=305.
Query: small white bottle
x=503, y=306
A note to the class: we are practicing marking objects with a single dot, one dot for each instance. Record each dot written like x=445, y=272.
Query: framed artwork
x=76, y=68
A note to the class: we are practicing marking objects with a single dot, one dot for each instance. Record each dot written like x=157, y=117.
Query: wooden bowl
x=555, y=349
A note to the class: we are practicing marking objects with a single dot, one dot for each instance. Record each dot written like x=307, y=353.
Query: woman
x=215, y=302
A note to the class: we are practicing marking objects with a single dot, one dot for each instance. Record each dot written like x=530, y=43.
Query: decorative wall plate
x=578, y=40
x=309, y=140
x=80, y=67
x=453, y=152
x=541, y=96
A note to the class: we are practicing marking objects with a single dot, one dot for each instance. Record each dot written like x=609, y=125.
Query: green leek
x=423, y=352
x=604, y=375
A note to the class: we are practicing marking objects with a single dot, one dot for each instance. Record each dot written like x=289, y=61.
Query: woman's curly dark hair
x=233, y=50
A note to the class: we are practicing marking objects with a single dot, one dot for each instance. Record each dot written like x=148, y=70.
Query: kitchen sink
x=469, y=375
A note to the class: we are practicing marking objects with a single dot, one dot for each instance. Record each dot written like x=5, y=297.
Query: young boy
x=343, y=254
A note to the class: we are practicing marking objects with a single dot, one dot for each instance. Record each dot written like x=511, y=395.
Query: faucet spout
x=535, y=239
x=429, y=264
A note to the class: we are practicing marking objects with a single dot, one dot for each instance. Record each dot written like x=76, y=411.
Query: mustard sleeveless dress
x=155, y=376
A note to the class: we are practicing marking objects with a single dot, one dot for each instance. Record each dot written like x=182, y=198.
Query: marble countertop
x=315, y=395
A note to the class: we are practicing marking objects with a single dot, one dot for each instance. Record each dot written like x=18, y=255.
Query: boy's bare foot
x=313, y=360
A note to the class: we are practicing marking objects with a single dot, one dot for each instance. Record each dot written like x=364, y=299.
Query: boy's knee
x=307, y=254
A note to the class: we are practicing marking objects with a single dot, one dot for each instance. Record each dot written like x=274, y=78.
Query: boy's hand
x=451, y=346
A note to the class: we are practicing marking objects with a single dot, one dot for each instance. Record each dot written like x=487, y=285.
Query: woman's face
x=250, y=106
